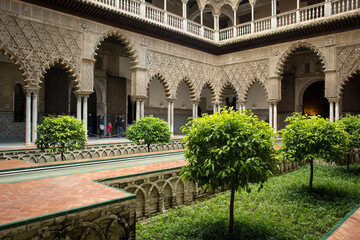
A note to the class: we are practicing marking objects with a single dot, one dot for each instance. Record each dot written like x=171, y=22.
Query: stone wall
x=108, y=221
x=90, y=151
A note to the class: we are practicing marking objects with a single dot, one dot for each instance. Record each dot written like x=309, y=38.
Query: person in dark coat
x=91, y=122
x=119, y=125
x=101, y=126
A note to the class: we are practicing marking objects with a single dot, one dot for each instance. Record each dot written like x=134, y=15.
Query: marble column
x=34, y=115
x=275, y=117
x=337, y=110
x=78, y=106
x=28, y=119
x=85, y=110
x=142, y=108
x=138, y=110
x=271, y=115
x=195, y=110
x=171, y=115
x=331, y=111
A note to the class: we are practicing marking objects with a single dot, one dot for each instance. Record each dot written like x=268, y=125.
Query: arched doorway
x=182, y=107
x=314, y=102
x=206, y=98
x=256, y=101
x=301, y=69
x=112, y=82
x=351, y=96
x=55, y=94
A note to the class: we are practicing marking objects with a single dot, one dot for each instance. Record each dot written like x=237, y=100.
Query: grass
x=283, y=209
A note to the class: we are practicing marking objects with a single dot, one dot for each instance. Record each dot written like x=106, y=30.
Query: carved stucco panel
x=36, y=45
x=348, y=62
x=242, y=75
x=175, y=69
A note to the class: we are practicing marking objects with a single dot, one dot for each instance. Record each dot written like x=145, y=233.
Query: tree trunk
x=311, y=174
x=349, y=160
x=231, y=219
x=148, y=147
x=62, y=156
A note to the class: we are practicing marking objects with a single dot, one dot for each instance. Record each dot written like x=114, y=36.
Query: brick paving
x=28, y=199
x=349, y=230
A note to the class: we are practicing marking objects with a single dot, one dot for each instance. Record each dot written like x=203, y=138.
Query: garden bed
x=283, y=209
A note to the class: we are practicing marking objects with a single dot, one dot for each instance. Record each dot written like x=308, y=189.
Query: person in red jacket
x=108, y=129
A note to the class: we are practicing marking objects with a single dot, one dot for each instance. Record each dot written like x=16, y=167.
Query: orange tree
x=352, y=127
x=149, y=130
x=229, y=149
x=61, y=134
x=312, y=137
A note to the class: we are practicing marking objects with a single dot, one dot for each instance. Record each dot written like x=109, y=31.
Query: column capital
x=138, y=68
x=273, y=101
x=333, y=100
x=276, y=78
x=89, y=60
x=32, y=89
x=330, y=71
x=171, y=99
x=139, y=97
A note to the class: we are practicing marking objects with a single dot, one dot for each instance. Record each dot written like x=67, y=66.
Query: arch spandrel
x=190, y=86
x=124, y=39
x=279, y=69
x=4, y=50
x=35, y=44
x=248, y=87
x=348, y=64
x=65, y=65
x=163, y=82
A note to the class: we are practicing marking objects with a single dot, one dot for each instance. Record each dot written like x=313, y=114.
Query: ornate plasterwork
x=244, y=74
x=348, y=62
x=171, y=70
x=36, y=45
x=283, y=59
x=124, y=39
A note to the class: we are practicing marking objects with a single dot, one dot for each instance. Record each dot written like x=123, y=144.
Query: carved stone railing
x=35, y=155
x=160, y=16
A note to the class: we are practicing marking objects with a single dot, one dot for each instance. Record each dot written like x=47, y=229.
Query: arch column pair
x=195, y=106
x=331, y=93
x=32, y=102
x=82, y=107
x=140, y=106
x=171, y=113
x=274, y=96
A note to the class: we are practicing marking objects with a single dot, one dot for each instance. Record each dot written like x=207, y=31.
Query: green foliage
x=61, y=134
x=352, y=126
x=312, y=137
x=149, y=130
x=281, y=210
x=228, y=149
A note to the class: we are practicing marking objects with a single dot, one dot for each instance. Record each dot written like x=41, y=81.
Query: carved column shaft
x=28, y=119
x=34, y=115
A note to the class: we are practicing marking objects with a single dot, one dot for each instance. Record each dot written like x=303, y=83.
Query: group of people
x=101, y=127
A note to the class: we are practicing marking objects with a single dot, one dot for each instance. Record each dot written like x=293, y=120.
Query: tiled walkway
x=349, y=229
x=28, y=199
